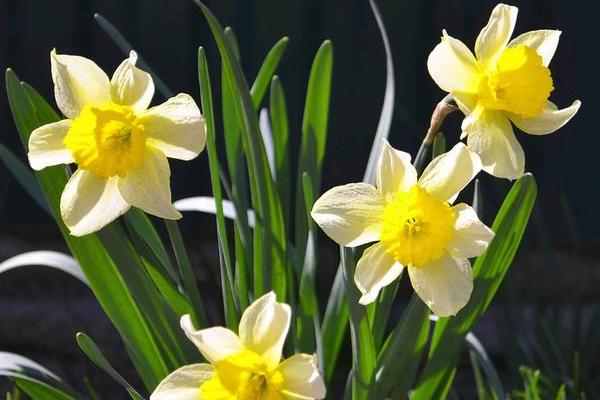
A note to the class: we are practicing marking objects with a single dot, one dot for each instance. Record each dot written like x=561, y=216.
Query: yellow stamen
x=519, y=83
x=108, y=140
x=417, y=227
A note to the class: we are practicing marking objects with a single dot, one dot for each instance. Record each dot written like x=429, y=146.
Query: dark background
x=559, y=261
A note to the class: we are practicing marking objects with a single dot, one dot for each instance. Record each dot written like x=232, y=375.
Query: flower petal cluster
x=414, y=226
x=120, y=145
x=504, y=81
x=248, y=366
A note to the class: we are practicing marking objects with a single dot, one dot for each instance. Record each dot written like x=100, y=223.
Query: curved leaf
x=50, y=259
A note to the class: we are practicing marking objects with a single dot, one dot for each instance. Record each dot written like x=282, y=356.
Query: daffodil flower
x=248, y=366
x=414, y=224
x=120, y=145
x=506, y=80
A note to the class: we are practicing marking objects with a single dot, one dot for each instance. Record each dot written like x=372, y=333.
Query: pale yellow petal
x=176, y=127
x=450, y=172
x=394, y=171
x=550, y=120
x=375, y=270
x=544, y=42
x=301, y=378
x=490, y=135
x=148, y=186
x=494, y=37
x=214, y=343
x=471, y=236
x=350, y=214
x=264, y=326
x=88, y=203
x=445, y=285
x=131, y=86
x=183, y=383
x=78, y=82
x=46, y=145
x=453, y=67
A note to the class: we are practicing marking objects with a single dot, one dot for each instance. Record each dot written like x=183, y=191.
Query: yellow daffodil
x=414, y=224
x=248, y=366
x=120, y=145
x=506, y=80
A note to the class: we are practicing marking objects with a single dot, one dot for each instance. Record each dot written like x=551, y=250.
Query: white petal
x=494, y=37
x=214, y=343
x=471, y=236
x=544, y=42
x=453, y=67
x=550, y=120
x=450, y=172
x=78, y=82
x=183, y=383
x=350, y=214
x=301, y=378
x=46, y=145
x=264, y=326
x=445, y=285
x=176, y=127
x=88, y=203
x=490, y=135
x=375, y=269
x=148, y=186
x=394, y=171
x=131, y=86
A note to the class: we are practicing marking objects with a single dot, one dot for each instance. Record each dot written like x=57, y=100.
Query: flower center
x=242, y=376
x=519, y=83
x=417, y=227
x=108, y=140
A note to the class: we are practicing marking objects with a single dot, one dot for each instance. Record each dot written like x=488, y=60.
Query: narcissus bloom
x=248, y=366
x=120, y=145
x=414, y=224
x=506, y=80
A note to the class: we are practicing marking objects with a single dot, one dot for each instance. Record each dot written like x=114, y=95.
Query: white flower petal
x=494, y=37
x=544, y=42
x=453, y=67
x=131, y=86
x=301, y=378
x=183, y=383
x=394, y=171
x=88, y=203
x=264, y=326
x=148, y=186
x=375, y=269
x=550, y=120
x=445, y=285
x=350, y=214
x=78, y=82
x=471, y=236
x=46, y=145
x=214, y=343
x=490, y=135
x=450, y=172
x=176, y=127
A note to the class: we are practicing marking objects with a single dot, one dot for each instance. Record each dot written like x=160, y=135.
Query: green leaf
x=280, y=126
x=41, y=391
x=24, y=176
x=335, y=324
x=314, y=138
x=106, y=281
x=266, y=71
x=269, y=233
x=87, y=345
x=363, y=350
x=488, y=272
x=231, y=310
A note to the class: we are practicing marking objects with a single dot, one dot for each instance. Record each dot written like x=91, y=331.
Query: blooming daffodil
x=413, y=224
x=120, y=145
x=248, y=366
x=506, y=80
